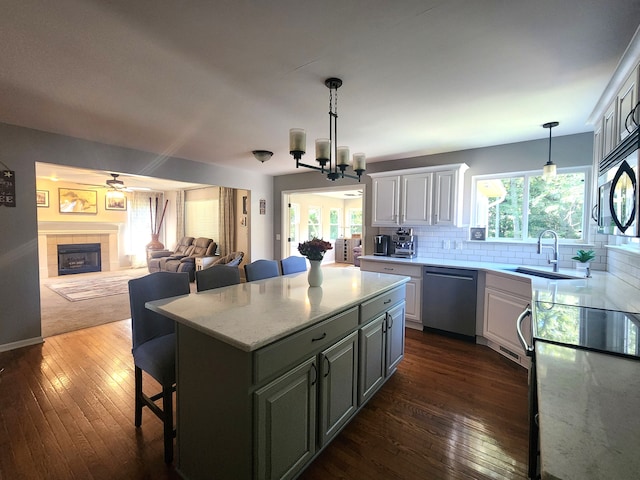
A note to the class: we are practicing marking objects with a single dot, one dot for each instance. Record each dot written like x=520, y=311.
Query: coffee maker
x=405, y=245
x=382, y=245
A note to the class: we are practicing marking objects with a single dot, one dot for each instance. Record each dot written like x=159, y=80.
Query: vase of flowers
x=314, y=250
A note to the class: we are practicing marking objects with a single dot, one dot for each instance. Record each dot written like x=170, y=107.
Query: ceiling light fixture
x=549, y=169
x=262, y=155
x=114, y=182
x=332, y=159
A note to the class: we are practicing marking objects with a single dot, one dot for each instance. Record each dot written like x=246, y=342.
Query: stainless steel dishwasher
x=449, y=300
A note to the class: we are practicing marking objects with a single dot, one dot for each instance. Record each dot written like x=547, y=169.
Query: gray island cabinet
x=268, y=372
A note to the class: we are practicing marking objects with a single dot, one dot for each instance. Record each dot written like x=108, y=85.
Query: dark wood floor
x=453, y=410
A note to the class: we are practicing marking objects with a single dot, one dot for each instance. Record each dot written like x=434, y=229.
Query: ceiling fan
x=115, y=183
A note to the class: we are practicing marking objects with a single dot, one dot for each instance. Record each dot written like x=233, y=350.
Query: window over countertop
x=518, y=206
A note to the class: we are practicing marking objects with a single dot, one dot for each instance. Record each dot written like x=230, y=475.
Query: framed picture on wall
x=115, y=201
x=42, y=198
x=72, y=200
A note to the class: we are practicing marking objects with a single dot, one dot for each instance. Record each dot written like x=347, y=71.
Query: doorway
x=333, y=214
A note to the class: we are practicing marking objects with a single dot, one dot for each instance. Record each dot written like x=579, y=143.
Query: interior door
x=293, y=227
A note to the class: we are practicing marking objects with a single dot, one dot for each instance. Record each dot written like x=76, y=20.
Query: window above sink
x=518, y=206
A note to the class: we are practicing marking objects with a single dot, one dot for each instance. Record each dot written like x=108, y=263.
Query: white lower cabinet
x=413, y=288
x=504, y=300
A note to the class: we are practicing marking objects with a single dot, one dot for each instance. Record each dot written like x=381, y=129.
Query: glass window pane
x=558, y=204
x=505, y=210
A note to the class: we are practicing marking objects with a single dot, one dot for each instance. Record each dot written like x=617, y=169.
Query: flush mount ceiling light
x=549, y=169
x=331, y=158
x=262, y=155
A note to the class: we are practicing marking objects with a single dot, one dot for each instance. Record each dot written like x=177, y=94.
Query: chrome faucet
x=554, y=247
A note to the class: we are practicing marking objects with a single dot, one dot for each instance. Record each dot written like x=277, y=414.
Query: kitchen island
x=268, y=372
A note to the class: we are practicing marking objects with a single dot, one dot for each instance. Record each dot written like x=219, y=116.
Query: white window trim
x=586, y=232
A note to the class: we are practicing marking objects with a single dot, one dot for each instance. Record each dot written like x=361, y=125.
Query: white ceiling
x=211, y=81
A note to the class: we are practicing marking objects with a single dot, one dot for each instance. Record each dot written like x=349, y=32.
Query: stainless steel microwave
x=618, y=193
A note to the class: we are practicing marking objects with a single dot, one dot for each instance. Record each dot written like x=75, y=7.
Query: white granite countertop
x=254, y=314
x=602, y=290
x=588, y=405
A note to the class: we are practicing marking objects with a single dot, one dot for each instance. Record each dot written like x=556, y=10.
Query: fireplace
x=79, y=258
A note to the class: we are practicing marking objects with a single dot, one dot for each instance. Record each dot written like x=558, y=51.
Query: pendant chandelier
x=549, y=169
x=331, y=158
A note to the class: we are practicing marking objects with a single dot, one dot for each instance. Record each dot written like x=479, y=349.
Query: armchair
x=201, y=247
x=157, y=258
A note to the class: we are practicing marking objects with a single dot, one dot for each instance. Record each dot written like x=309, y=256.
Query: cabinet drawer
x=393, y=268
x=286, y=352
x=509, y=283
x=373, y=308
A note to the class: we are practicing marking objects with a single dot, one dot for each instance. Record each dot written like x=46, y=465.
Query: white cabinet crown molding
x=411, y=171
x=627, y=63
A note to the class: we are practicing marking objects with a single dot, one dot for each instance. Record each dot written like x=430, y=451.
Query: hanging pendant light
x=331, y=158
x=549, y=169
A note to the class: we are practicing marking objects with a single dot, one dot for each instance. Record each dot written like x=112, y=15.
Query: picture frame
x=115, y=202
x=42, y=198
x=73, y=200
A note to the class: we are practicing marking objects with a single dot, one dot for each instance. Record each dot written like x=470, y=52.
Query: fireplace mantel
x=70, y=228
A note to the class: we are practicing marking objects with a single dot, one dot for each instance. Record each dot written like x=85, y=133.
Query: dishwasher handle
x=527, y=348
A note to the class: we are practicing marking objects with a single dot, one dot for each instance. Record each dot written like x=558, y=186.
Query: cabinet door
x=445, y=198
x=372, y=358
x=412, y=298
x=286, y=422
x=416, y=199
x=338, y=386
x=627, y=98
x=501, y=310
x=395, y=338
x=386, y=197
x=609, y=139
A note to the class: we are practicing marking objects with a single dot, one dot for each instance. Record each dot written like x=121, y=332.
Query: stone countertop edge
x=252, y=315
x=586, y=404
x=603, y=290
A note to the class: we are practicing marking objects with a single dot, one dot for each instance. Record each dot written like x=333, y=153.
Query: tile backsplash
x=619, y=256
x=453, y=243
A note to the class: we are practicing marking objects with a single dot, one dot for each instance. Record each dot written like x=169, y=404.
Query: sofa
x=200, y=247
x=233, y=259
x=154, y=257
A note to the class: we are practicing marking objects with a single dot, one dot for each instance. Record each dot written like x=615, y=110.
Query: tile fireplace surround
x=52, y=234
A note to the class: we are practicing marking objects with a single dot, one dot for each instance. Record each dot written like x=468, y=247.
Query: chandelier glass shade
x=331, y=158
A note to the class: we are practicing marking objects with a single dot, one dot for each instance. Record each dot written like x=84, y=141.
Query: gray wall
x=567, y=151
x=22, y=147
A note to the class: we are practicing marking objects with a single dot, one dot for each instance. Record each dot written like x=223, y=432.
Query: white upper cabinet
x=616, y=102
x=419, y=196
x=626, y=101
x=386, y=201
x=416, y=199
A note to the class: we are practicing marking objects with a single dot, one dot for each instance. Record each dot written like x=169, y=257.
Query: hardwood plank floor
x=453, y=410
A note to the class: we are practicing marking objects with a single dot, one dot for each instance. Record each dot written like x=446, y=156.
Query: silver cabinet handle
x=527, y=348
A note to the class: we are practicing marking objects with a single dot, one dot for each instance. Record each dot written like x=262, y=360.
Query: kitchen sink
x=543, y=273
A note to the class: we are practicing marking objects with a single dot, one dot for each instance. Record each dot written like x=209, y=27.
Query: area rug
x=88, y=288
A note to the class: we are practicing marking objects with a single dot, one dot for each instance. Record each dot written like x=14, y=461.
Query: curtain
x=227, y=220
x=138, y=228
x=180, y=232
